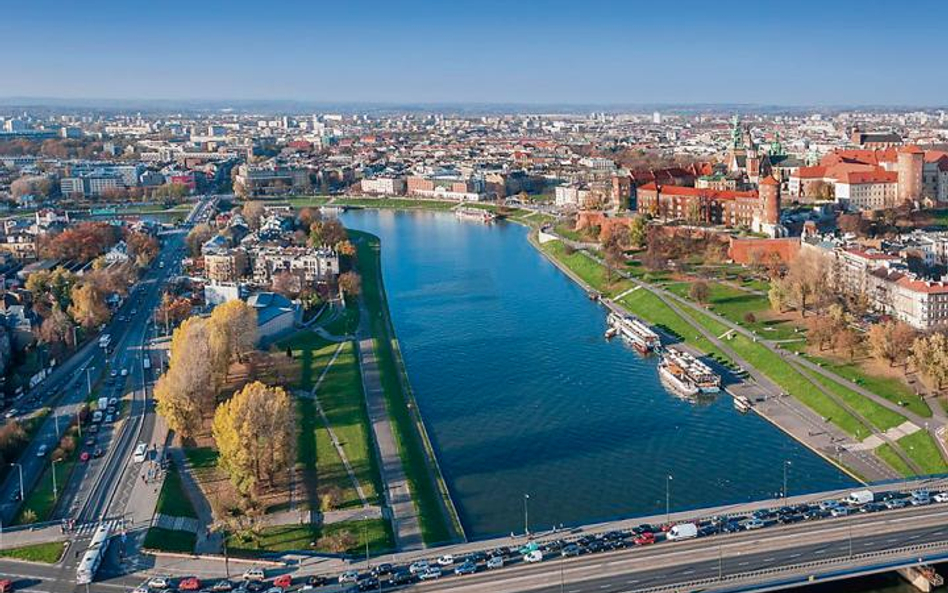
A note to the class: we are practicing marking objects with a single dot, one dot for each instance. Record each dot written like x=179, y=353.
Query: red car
x=644, y=539
x=189, y=584
x=283, y=581
x=84, y=456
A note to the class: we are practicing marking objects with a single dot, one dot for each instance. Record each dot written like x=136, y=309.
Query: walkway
x=405, y=521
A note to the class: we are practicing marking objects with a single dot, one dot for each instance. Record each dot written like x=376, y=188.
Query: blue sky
x=511, y=51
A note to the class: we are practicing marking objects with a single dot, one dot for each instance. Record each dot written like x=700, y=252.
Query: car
x=896, y=503
x=254, y=574
x=402, y=578
x=124, y=372
x=534, y=556
x=274, y=590
x=754, y=523
x=140, y=589
x=11, y=413
x=446, y=560
x=828, y=505
x=381, y=569
x=369, y=583
x=113, y=402
x=467, y=567
x=790, y=519
x=255, y=586
x=84, y=456
x=918, y=501
x=419, y=566
x=350, y=576
x=222, y=585
x=570, y=550
x=284, y=581
x=90, y=441
x=840, y=511
x=41, y=452
x=531, y=547
x=431, y=573
x=97, y=453
x=109, y=418
x=316, y=580
x=158, y=583
x=113, y=374
x=941, y=497
x=189, y=584
x=495, y=562
x=644, y=539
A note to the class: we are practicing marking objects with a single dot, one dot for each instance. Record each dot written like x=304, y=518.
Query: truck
x=860, y=497
x=682, y=531
x=104, y=341
x=103, y=403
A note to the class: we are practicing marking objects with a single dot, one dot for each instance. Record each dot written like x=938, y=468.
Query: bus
x=104, y=341
x=93, y=557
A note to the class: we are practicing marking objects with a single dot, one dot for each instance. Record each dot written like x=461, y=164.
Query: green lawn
x=881, y=417
x=172, y=500
x=48, y=553
x=415, y=456
x=320, y=459
x=888, y=455
x=312, y=351
x=588, y=270
x=203, y=461
x=397, y=203
x=891, y=388
x=307, y=201
x=345, y=322
x=41, y=500
x=168, y=540
x=923, y=450
x=305, y=537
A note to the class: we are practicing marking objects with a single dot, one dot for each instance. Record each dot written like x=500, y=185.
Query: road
x=70, y=383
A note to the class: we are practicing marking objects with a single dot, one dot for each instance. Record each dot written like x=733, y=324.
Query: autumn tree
x=929, y=355
x=53, y=287
x=233, y=332
x=188, y=390
x=143, y=247
x=198, y=236
x=88, y=307
x=638, y=232
x=891, y=341
x=350, y=283
x=805, y=281
x=253, y=212
x=255, y=433
x=286, y=283
x=57, y=329
x=327, y=232
x=173, y=309
x=83, y=242
x=345, y=248
x=699, y=291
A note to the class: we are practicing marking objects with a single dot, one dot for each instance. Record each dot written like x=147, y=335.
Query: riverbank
x=437, y=515
x=800, y=423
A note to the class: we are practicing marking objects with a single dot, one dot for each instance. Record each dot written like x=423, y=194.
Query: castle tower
x=769, y=192
x=909, y=164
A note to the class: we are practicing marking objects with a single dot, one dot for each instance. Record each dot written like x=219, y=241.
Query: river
x=522, y=395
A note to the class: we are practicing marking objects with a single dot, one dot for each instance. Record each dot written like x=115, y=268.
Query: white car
x=534, y=556
x=495, y=562
x=41, y=452
x=419, y=566
x=253, y=574
x=350, y=576
x=446, y=560
x=941, y=497
x=430, y=574
x=124, y=372
x=158, y=583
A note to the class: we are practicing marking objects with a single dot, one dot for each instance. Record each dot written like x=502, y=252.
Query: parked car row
x=387, y=575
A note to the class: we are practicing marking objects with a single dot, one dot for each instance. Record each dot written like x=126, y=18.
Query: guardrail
x=803, y=566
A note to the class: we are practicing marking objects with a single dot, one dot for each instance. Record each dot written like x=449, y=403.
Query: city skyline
x=557, y=53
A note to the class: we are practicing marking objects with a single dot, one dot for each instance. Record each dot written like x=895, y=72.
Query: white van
x=141, y=451
x=682, y=531
x=860, y=497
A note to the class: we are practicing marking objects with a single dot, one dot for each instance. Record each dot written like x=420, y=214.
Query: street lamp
x=786, y=464
x=52, y=466
x=668, y=480
x=526, y=514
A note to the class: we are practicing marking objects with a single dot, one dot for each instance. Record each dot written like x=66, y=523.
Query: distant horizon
x=549, y=52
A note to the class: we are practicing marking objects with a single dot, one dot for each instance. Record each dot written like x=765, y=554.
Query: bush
x=749, y=317
x=338, y=542
x=568, y=249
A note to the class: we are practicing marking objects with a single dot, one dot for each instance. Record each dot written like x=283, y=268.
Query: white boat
x=636, y=331
x=691, y=376
x=478, y=214
x=742, y=403
x=676, y=381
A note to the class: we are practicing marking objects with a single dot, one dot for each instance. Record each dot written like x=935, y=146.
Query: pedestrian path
x=406, y=523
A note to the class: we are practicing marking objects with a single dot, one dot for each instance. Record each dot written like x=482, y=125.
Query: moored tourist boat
x=635, y=331
x=693, y=375
x=478, y=214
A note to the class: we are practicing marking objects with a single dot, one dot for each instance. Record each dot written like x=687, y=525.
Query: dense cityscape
x=384, y=307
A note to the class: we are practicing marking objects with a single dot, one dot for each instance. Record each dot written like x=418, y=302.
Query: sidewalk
x=406, y=524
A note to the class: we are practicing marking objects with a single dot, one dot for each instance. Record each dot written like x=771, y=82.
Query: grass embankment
x=590, y=272
x=342, y=399
x=172, y=501
x=887, y=453
x=345, y=322
x=429, y=497
x=168, y=540
x=48, y=553
x=42, y=500
x=728, y=301
x=395, y=203
x=308, y=537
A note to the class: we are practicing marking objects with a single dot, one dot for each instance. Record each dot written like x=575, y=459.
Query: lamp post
x=52, y=466
x=786, y=464
x=668, y=480
x=20, y=470
x=526, y=514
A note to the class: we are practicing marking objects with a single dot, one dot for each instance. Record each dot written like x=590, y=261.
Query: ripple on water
x=521, y=393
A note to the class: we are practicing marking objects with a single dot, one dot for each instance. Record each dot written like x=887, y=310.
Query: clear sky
x=801, y=52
